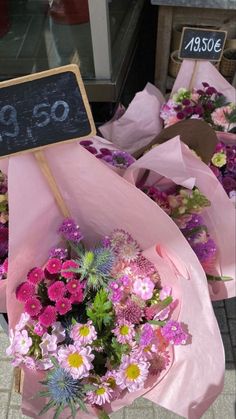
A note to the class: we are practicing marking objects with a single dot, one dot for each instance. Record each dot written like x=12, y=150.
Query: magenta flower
x=147, y=335
x=74, y=286
x=83, y=334
x=174, y=333
x=25, y=291
x=33, y=306
x=118, y=158
x=143, y=288
x=77, y=297
x=76, y=360
x=48, y=316
x=124, y=332
x=116, y=296
x=66, y=266
x=54, y=266
x=35, y=275
x=56, y=291
x=39, y=330
x=70, y=230
x=63, y=305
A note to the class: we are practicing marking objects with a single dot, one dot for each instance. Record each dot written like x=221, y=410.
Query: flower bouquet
x=105, y=202
x=189, y=193
x=99, y=320
x=3, y=238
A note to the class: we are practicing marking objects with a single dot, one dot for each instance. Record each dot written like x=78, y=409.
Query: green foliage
x=101, y=312
x=116, y=351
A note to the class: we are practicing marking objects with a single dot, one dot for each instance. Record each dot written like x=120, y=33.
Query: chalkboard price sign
x=43, y=109
x=202, y=44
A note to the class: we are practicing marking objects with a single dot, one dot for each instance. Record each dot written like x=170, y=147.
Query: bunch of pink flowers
x=97, y=319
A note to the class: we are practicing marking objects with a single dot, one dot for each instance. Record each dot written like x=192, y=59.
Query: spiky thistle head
x=103, y=261
x=63, y=391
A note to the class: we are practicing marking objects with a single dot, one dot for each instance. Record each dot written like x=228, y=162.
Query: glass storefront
x=99, y=35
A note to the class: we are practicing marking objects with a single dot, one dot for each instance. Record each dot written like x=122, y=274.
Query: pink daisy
x=54, y=266
x=100, y=395
x=66, y=266
x=25, y=291
x=56, y=291
x=35, y=275
x=76, y=360
x=83, y=334
x=63, y=305
x=74, y=286
x=33, y=306
x=124, y=332
x=48, y=316
x=132, y=373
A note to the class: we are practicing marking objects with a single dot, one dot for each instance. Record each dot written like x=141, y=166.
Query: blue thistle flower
x=103, y=261
x=62, y=387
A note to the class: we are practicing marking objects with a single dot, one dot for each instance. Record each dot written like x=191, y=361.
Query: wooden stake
x=18, y=380
x=195, y=68
x=41, y=159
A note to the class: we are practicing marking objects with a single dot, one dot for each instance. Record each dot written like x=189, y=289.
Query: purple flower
x=174, y=333
x=146, y=335
x=205, y=84
x=198, y=110
x=70, y=230
x=116, y=296
x=211, y=90
x=86, y=143
x=58, y=252
x=205, y=251
x=229, y=183
x=91, y=149
x=186, y=102
x=180, y=115
x=195, y=221
x=119, y=159
x=3, y=241
x=105, y=151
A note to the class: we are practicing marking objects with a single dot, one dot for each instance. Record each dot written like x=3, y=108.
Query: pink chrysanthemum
x=159, y=362
x=66, y=266
x=63, y=305
x=124, y=332
x=132, y=373
x=48, y=316
x=76, y=360
x=25, y=291
x=132, y=312
x=77, y=297
x=56, y=291
x=100, y=395
x=33, y=306
x=110, y=379
x=143, y=288
x=54, y=266
x=35, y=275
x=74, y=286
x=143, y=266
x=83, y=334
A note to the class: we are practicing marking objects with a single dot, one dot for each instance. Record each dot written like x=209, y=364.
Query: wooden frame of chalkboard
x=202, y=47
x=43, y=109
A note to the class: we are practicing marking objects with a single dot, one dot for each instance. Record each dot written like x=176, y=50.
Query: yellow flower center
x=112, y=382
x=75, y=360
x=147, y=348
x=100, y=391
x=124, y=330
x=84, y=331
x=132, y=372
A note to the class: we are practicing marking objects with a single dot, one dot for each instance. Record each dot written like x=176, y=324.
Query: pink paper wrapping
x=205, y=71
x=140, y=123
x=100, y=201
x=176, y=162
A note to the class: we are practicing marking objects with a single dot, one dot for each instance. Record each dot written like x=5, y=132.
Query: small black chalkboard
x=202, y=44
x=43, y=109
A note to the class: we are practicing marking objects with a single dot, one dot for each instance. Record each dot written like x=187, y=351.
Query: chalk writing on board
x=202, y=44
x=42, y=111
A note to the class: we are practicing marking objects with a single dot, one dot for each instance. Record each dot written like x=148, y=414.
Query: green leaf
x=82, y=405
x=167, y=301
x=48, y=406
x=73, y=321
x=157, y=322
x=72, y=408
x=58, y=411
x=219, y=278
x=103, y=415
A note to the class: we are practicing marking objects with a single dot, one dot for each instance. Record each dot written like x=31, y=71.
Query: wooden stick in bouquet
x=49, y=108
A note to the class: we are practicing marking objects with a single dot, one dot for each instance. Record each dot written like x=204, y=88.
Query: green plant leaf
x=48, y=406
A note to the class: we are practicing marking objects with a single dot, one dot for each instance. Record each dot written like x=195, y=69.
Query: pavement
x=223, y=408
